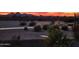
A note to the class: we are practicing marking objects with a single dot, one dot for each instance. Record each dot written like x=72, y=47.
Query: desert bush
x=37, y=28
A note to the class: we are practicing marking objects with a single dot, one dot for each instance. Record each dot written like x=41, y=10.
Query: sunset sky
x=45, y=13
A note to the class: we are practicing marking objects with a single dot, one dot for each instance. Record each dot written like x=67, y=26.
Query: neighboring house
x=60, y=23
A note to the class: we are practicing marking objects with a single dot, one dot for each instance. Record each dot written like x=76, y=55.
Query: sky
x=46, y=7
x=39, y=5
x=45, y=13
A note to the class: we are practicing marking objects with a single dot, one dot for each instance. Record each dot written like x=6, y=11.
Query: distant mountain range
x=41, y=13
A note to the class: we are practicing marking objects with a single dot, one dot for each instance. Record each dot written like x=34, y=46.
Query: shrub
x=37, y=28
x=56, y=26
x=65, y=28
x=22, y=24
x=32, y=24
x=45, y=27
x=25, y=28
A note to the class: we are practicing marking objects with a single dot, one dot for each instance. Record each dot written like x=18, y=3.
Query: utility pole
x=75, y=22
x=75, y=19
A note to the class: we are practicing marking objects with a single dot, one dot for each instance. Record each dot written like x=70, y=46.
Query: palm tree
x=56, y=38
x=54, y=35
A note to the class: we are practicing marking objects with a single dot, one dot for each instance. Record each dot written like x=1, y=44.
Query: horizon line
x=44, y=13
